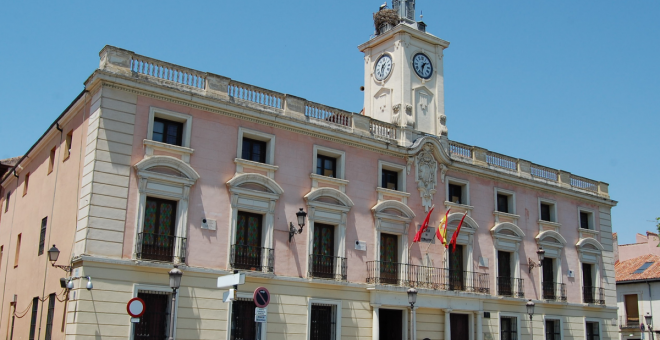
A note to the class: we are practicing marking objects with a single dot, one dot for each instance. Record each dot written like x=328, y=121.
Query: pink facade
x=644, y=245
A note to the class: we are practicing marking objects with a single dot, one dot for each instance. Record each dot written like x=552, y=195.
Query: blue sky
x=572, y=85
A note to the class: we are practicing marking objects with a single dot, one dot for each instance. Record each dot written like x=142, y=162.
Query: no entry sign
x=261, y=297
x=135, y=307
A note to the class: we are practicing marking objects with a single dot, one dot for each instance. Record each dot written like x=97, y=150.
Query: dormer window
x=167, y=131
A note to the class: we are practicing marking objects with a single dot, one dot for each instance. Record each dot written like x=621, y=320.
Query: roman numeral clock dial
x=383, y=67
x=422, y=66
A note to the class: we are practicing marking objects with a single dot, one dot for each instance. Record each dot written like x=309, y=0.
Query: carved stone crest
x=426, y=175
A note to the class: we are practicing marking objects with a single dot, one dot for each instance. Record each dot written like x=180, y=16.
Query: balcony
x=251, y=258
x=509, y=286
x=408, y=275
x=628, y=322
x=593, y=295
x=554, y=291
x=157, y=247
x=327, y=267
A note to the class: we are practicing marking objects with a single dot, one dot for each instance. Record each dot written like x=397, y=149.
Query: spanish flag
x=455, y=236
x=425, y=225
x=442, y=232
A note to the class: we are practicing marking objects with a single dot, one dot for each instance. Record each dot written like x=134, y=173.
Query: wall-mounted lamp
x=301, y=223
x=532, y=264
x=53, y=255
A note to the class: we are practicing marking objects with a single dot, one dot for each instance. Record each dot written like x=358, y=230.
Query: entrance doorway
x=390, y=322
x=460, y=326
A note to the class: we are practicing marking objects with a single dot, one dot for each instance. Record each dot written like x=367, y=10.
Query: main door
x=456, y=278
x=324, y=250
x=389, y=255
x=460, y=328
x=390, y=322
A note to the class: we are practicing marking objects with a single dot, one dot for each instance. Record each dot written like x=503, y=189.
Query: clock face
x=383, y=67
x=422, y=65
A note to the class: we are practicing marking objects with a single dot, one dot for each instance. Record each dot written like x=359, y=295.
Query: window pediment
x=167, y=169
x=256, y=183
x=329, y=196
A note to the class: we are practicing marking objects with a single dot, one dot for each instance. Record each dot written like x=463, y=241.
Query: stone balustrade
x=127, y=63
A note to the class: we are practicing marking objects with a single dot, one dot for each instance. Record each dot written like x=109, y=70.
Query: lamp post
x=301, y=223
x=541, y=255
x=530, y=310
x=649, y=323
x=412, y=298
x=175, y=283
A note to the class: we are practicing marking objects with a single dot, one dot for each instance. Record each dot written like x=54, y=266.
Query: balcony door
x=324, y=251
x=549, y=287
x=389, y=255
x=456, y=273
x=158, y=241
x=587, y=281
x=504, y=277
x=247, y=248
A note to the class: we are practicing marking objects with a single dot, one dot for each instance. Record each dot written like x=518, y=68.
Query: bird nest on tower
x=386, y=16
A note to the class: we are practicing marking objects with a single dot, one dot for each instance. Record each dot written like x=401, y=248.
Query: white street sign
x=260, y=311
x=259, y=318
x=231, y=280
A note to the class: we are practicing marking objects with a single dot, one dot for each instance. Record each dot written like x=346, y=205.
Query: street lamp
x=53, y=255
x=530, y=308
x=649, y=323
x=541, y=255
x=412, y=298
x=301, y=223
x=175, y=283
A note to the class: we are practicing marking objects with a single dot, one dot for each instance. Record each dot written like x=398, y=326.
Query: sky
x=572, y=85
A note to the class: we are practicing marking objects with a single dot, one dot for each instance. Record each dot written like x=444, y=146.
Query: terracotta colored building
x=155, y=164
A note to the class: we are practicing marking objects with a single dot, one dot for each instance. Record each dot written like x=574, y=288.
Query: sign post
x=135, y=308
x=261, y=300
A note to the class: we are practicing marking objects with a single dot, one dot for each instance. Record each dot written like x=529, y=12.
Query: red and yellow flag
x=455, y=236
x=441, y=233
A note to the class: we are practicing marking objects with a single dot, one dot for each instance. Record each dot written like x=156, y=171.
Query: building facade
x=155, y=164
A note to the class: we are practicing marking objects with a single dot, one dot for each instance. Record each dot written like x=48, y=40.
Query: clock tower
x=403, y=74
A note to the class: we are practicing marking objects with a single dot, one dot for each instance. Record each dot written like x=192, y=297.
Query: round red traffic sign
x=261, y=297
x=135, y=307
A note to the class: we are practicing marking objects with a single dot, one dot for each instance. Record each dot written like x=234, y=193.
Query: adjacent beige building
x=156, y=164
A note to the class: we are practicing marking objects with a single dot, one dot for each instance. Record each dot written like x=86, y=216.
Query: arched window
x=507, y=238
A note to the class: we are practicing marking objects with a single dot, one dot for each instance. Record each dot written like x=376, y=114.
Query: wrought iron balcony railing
x=409, y=275
x=593, y=295
x=159, y=247
x=628, y=322
x=251, y=258
x=509, y=286
x=554, y=291
x=327, y=267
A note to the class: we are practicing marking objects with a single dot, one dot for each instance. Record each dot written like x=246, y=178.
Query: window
x=505, y=201
x=508, y=328
x=390, y=179
x=329, y=162
x=552, y=330
x=323, y=323
x=455, y=193
x=586, y=219
x=67, y=145
x=242, y=320
x=326, y=166
x=256, y=146
x=504, y=277
x=167, y=131
x=323, y=252
x=254, y=150
x=33, y=318
x=632, y=310
x=548, y=283
x=247, y=250
x=42, y=235
x=154, y=322
x=548, y=211
x=49, y=316
x=389, y=258
x=593, y=331
x=157, y=240
x=644, y=267
x=51, y=160
x=2, y=253
x=588, y=287
x=26, y=183
x=18, y=250
x=391, y=176
x=7, y=201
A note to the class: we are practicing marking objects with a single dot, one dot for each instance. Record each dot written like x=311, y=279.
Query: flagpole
x=413, y=242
